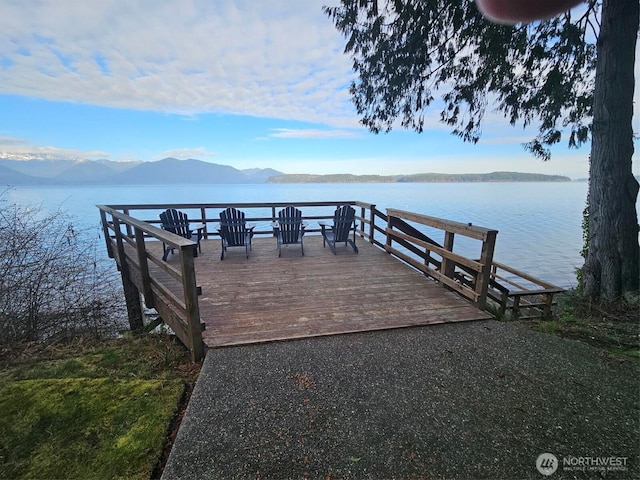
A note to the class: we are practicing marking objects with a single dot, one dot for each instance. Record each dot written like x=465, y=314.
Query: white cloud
x=186, y=153
x=311, y=133
x=11, y=141
x=277, y=59
x=503, y=138
x=19, y=147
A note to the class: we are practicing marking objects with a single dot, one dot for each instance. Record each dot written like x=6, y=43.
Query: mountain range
x=105, y=172
x=43, y=170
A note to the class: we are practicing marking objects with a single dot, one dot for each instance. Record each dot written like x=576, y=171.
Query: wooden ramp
x=266, y=298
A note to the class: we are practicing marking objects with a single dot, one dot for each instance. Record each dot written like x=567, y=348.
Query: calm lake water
x=539, y=224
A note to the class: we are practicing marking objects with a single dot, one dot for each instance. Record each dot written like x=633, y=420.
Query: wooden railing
x=263, y=214
x=125, y=238
x=524, y=295
x=438, y=261
x=399, y=233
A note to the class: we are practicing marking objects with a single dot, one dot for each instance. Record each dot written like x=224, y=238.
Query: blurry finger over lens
x=522, y=11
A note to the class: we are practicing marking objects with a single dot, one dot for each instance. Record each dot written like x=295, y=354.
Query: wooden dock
x=267, y=298
x=402, y=276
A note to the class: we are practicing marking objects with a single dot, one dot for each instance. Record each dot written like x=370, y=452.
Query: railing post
x=484, y=277
x=504, y=303
x=548, y=302
x=427, y=257
x=372, y=223
x=144, y=268
x=129, y=230
x=388, y=234
x=131, y=293
x=515, y=308
x=203, y=215
x=189, y=287
x=105, y=232
x=448, y=266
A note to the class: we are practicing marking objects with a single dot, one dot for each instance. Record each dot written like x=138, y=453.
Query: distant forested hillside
x=483, y=177
x=420, y=178
x=335, y=178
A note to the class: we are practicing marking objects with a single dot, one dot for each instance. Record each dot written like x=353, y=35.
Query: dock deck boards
x=267, y=298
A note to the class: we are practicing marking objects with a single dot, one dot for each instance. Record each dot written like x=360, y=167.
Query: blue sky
x=241, y=83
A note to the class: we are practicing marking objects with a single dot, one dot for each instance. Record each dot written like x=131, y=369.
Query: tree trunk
x=611, y=266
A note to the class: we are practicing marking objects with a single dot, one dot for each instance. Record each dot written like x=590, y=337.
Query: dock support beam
x=190, y=288
x=131, y=292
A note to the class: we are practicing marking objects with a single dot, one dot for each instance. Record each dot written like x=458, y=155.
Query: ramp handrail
x=450, y=267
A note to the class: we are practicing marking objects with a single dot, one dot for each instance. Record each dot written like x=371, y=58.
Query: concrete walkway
x=474, y=400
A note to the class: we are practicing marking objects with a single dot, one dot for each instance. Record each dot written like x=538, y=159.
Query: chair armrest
x=322, y=223
x=198, y=231
x=251, y=226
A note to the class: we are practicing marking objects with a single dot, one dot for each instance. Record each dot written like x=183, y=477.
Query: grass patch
x=84, y=427
x=101, y=410
x=613, y=327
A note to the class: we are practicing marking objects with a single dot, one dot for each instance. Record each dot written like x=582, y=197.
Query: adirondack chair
x=289, y=229
x=344, y=220
x=234, y=231
x=177, y=222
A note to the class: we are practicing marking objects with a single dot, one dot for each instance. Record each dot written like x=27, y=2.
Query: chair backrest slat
x=290, y=223
x=176, y=222
x=233, y=226
x=343, y=219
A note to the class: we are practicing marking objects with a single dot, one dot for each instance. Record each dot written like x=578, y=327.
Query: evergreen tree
x=570, y=76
